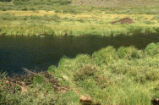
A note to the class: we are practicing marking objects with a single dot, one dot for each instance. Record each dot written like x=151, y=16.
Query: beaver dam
x=37, y=53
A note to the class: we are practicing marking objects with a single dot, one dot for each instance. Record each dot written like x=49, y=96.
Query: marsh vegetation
x=100, y=51
x=124, y=76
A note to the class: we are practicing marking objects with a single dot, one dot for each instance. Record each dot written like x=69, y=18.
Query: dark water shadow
x=37, y=53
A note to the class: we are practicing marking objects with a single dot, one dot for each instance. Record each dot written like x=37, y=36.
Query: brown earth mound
x=21, y=83
x=123, y=21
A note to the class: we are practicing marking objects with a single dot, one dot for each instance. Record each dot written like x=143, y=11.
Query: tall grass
x=52, y=23
x=125, y=76
x=123, y=80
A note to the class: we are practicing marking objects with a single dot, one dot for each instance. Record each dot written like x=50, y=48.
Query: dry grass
x=95, y=22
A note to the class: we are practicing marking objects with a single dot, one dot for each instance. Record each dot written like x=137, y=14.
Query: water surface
x=37, y=54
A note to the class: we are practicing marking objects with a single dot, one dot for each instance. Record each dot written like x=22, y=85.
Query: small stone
x=7, y=82
x=86, y=100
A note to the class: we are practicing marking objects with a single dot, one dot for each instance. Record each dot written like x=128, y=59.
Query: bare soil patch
x=126, y=20
x=21, y=83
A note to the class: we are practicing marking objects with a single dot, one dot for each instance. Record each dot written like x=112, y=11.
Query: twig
x=29, y=71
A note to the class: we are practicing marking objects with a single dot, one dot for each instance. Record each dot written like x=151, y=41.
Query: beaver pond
x=38, y=53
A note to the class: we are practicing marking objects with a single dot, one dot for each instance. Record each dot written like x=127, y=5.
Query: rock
x=86, y=100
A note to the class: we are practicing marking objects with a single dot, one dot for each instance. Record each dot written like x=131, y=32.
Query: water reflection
x=37, y=53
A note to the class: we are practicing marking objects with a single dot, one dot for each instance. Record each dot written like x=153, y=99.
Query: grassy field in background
x=72, y=18
x=42, y=22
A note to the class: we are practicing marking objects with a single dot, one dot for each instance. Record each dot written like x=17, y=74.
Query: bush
x=129, y=52
x=105, y=55
x=85, y=72
x=152, y=49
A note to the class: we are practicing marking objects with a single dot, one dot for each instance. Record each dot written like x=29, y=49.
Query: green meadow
x=109, y=76
x=58, y=18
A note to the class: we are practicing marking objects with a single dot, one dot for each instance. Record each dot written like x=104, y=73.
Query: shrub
x=85, y=72
x=105, y=55
x=152, y=49
x=129, y=52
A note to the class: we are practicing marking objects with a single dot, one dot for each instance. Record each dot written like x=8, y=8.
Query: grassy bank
x=66, y=17
x=42, y=22
x=123, y=76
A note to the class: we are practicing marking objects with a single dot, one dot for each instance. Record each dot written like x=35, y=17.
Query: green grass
x=59, y=24
x=21, y=17
x=110, y=76
x=112, y=79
